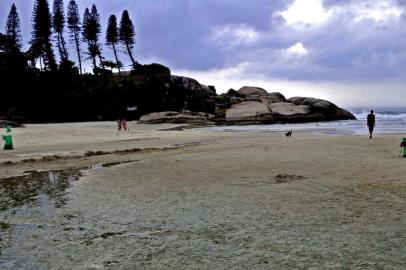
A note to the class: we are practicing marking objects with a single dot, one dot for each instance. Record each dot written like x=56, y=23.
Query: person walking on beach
x=371, y=123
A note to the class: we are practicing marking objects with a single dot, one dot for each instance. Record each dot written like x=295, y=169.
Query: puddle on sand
x=44, y=189
x=18, y=191
x=37, y=193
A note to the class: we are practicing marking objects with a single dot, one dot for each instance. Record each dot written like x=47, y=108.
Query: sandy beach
x=84, y=196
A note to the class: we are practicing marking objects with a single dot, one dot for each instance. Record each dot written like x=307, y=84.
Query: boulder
x=249, y=111
x=288, y=109
x=288, y=112
x=328, y=109
x=235, y=100
x=300, y=118
x=276, y=97
x=252, y=91
x=176, y=118
x=318, y=104
x=233, y=93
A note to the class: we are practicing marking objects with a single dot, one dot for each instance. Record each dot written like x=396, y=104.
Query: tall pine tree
x=112, y=38
x=127, y=34
x=73, y=21
x=13, y=30
x=59, y=25
x=88, y=36
x=41, y=34
x=91, y=33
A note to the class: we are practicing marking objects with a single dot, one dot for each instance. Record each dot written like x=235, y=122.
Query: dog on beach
x=289, y=134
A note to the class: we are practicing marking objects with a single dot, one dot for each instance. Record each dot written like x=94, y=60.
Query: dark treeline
x=48, y=33
x=41, y=86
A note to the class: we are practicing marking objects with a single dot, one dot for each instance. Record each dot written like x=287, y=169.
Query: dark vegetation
x=39, y=86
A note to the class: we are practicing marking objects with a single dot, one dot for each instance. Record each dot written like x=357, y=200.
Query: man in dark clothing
x=371, y=123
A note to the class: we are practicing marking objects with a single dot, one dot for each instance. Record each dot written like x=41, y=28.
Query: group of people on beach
x=122, y=125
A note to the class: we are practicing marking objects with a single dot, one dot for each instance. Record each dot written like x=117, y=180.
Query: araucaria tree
x=41, y=34
x=91, y=32
x=112, y=38
x=13, y=30
x=59, y=25
x=73, y=21
x=127, y=34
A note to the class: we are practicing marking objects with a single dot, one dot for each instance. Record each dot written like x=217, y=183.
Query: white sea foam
x=385, y=116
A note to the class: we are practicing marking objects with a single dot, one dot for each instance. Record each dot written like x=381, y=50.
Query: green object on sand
x=8, y=139
x=404, y=148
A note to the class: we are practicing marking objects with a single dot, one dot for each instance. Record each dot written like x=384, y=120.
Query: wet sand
x=200, y=200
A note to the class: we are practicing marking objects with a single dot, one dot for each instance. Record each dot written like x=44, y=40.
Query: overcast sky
x=352, y=52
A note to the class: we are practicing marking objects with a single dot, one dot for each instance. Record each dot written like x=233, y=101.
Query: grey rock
x=252, y=91
x=328, y=109
x=176, y=117
x=276, y=97
x=289, y=109
x=249, y=111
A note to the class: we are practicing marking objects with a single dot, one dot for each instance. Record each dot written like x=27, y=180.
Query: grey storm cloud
x=358, y=40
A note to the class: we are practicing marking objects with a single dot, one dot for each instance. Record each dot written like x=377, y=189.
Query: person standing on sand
x=124, y=124
x=119, y=125
x=371, y=123
x=8, y=139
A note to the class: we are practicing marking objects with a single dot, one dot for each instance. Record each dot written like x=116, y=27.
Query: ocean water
x=388, y=121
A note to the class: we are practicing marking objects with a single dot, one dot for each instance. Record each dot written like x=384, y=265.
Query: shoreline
x=69, y=145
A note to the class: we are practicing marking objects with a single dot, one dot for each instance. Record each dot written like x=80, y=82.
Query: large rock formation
x=253, y=105
x=248, y=105
x=329, y=110
x=177, y=118
x=249, y=111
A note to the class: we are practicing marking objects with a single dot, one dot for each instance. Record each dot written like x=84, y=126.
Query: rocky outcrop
x=248, y=105
x=329, y=110
x=249, y=111
x=256, y=93
x=252, y=105
x=176, y=118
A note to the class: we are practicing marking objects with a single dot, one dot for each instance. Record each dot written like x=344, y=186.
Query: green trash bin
x=8, y=140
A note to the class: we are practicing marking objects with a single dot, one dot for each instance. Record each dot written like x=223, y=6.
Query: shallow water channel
x=36, y=195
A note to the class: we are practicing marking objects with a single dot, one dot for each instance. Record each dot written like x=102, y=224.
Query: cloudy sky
x=352, y=52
